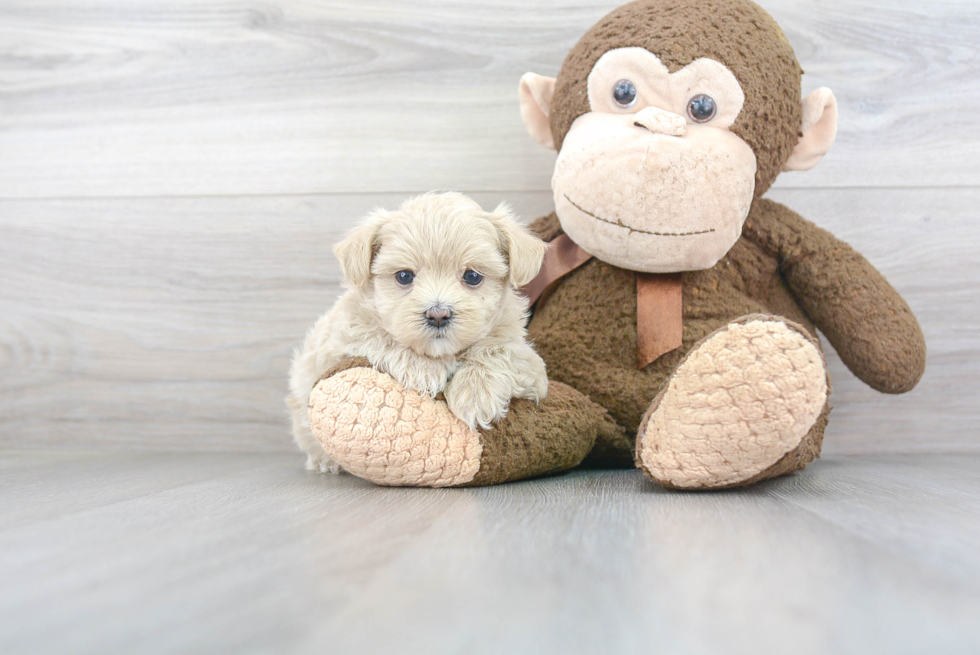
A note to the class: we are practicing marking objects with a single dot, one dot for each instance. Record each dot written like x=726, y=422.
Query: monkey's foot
x=747, y=403
x=381, y=432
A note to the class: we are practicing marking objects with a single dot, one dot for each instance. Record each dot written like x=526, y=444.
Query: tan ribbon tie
x=562, y=257
x=659, y=315
x=659, y=303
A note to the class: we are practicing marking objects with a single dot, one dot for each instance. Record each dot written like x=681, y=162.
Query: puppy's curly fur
x=431, y=300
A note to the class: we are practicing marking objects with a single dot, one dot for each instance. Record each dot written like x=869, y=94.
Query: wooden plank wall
x=172, y=175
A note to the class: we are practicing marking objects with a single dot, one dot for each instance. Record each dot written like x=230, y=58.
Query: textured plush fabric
x=540, y=439
x=737, y=33
x=659, y=320
x=379, y=432
x=585, y=329
x=870, y=326
x=819, y=130
x=661, y=204
x=741, y=400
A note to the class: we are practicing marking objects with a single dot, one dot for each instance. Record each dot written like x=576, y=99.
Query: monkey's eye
x=624, y=93
x=404, y=278
x=701, y=108
x=472, y=278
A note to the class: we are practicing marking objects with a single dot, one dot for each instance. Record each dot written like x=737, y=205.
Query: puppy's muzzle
x=438, y=316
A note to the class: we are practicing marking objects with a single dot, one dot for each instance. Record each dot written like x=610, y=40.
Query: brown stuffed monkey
x=677, y=308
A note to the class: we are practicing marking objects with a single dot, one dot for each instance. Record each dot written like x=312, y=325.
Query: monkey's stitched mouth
x=635, y=229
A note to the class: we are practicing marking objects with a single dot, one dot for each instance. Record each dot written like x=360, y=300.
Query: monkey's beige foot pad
x=380, y=432
x=740, y=402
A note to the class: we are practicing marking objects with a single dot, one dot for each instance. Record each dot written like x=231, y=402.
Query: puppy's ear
x=355, y=252
x=523, y=250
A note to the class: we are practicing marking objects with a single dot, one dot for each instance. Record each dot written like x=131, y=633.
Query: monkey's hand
x=867, y=321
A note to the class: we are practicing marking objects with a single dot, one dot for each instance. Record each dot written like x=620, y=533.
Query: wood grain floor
x=242, y=553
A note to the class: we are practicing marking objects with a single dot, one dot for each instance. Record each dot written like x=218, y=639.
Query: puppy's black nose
x=438, y=316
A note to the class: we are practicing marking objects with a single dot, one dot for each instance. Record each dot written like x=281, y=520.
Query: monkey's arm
x=866, y=320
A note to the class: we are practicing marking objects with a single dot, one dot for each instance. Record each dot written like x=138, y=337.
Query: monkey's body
x=671, y=118
x=586, y=330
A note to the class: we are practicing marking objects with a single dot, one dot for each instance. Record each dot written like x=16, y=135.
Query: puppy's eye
x=624, y=93
x=701, y=108
x=472, y=278
x=404, y=278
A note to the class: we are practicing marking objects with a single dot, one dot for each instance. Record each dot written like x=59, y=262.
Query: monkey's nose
x=438, y=316
x=660, y=121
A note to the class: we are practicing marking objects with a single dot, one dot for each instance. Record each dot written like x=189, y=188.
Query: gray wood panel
x=151, y=553
x=168, y=323
x=173, y=174
x=107, y=98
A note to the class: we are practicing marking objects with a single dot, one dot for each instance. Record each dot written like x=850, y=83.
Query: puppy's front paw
x=477, y=397
x=425, y=376
x=539, y=379
x=530, y=376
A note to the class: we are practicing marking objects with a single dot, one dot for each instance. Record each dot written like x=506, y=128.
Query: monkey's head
x=670, y=118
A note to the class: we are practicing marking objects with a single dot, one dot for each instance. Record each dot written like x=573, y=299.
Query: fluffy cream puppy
x=431, y=300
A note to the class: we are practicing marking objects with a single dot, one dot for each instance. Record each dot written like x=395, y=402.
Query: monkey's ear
x=524, y=251
x=819, y=130
x=356, y=251
x=535, y=93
